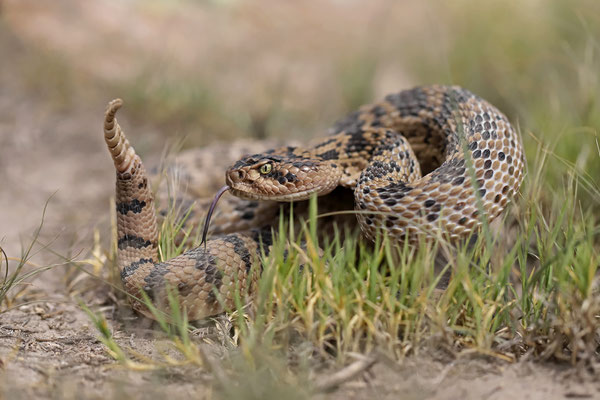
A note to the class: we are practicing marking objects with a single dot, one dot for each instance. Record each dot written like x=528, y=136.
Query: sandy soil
x=52, y=153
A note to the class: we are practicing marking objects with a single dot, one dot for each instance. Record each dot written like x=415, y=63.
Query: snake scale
x=422, y=162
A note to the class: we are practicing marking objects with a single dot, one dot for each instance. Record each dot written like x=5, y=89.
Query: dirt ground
x=52, y=151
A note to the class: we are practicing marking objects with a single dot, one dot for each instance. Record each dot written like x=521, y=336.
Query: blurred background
x=210, y=71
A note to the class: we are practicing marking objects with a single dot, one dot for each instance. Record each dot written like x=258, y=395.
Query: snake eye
x=266, y=168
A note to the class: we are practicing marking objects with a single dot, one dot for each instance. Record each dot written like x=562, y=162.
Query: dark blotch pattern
x=396, y=190
x=326, y=142
x=304, y=163
x=458, y=181
x=248, y=215
x=213, y=275
x=132, y=241
x=240, y=249
x=390, y=202
x=155, y=279
x=329, y=155
x=348, y=123
x=131, y=268
x=135, y=206
x=265, y=237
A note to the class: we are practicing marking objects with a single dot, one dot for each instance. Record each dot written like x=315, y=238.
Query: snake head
x=293, y=176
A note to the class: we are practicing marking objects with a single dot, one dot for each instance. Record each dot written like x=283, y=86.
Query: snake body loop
x=424, y=162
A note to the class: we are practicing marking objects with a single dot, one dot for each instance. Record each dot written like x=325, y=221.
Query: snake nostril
x=241, y=174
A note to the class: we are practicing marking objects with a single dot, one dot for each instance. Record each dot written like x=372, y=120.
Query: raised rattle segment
x=470, y=155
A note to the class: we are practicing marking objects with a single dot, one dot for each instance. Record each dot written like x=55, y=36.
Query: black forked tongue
x=210, y=212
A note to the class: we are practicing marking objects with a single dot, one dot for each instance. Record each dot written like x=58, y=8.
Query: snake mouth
x=250, y=194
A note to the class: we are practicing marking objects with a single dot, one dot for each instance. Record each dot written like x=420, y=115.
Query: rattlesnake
x=471, y=156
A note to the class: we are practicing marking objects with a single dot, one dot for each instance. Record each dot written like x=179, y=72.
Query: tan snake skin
x=470, y=154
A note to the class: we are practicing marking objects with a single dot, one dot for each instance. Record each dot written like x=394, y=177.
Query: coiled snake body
x=470, y=154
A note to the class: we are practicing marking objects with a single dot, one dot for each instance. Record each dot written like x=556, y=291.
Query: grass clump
x=350, y=300
x=15, y=283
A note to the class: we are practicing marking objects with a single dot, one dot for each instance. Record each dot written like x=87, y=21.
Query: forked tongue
x=210, y=212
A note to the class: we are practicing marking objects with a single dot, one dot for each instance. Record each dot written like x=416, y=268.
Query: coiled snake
x=470, y=154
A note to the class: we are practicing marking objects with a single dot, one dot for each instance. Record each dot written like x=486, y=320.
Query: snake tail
x=205, y=278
